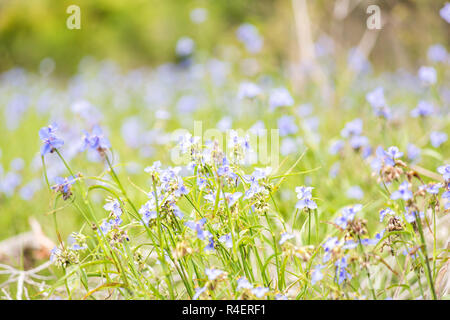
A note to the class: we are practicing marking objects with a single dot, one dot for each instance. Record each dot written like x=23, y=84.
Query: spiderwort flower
x=305, y=198
x=445, y=171
x=437, y=138
x=410, y=215
x=446, y=196
x=355, y=192
x=376, y=98
x=284, y=237
x=391, y=154
x=352, y=128
x=445, y=12
x=248, y=90
x=385, y=212
x=213, y=274
x=328, y=246
x=427, y=75
x=413, y=152
x=348, y=214
x=51, y=141
x=341, y=272
x=63, y=185
x=243, y=283
x=198, y=292
x=423, y=109
x=227, y=240
x=95, y=140
x=259, y=292
x=280, y=97
x=437, y=53
x=403, y=192
x=317, y=275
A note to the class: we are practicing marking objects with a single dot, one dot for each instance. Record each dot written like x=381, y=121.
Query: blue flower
x=446, y=196
x=445, y=171
x=260, y=291
x=352, y=128
x=95, y=140
x=445, y=12
x=410, y=215
x=413, y=152
x=403, y=192
x=227, y=240
x=341, y=271
x=376, y=98
x=437, y=53
x=184, y=47
x=355, y=192
x=63, y=185
x=317, y=275
x=423, y=109
x=284, y=237
x=305, y=198
x=198, y=292
x=231, y=198
x=437, y=138
x=348, y=214
x=280, y=97
x=213, y=274
x=287, y=125
x=51, y=142
x=328, y=246
x=384, y=212
x=249, y=35
x=248, y=90
x=243, y=283
x=427, y=75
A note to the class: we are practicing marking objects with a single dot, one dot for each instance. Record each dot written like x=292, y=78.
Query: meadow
x=211, y=176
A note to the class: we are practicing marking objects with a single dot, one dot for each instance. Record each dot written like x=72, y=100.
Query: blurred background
x=144, y=32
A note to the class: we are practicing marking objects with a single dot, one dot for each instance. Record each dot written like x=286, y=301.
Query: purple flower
x=227, y=240
x=384, y=212
x=336, y=147
x=348, y=214
x=437, y=138
x=403, y=192
x=249, y=35
x=260, y=291
x=185, y=46
x=355, y=192
x=63, y=185
x=328, y=246
x=232, y=197
x=51, y=142
x=243, y=283
x=287, y=126
x=413, y=152
x=280, y=97
x=427, y=75
x=248, y=90
x=410, y=215
x=376, y=98
x=198, y=227
x=96, y=140
x=305, y=198
x=445, y=171
x=446, y=196
x=445, y=12
x=213, y=274
x=317, y=275
x=437, y=53
x=423, y=109
x=433, y=188
x=341, y=271
x=284, y=237
x=352, y=128
x=198, y=292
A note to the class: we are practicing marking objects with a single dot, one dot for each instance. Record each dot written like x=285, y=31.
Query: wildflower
x=284, y=237
x=95, y=140
x=355, y=192
x=317, y=275
x=249, y=35
x=213, y=274
x=403, y=192
x=410, y=215
x=376, y=98
x=51, y=142
x=63, y=185
x=437, y=138
x=348, y=214
x=446, y=196
x=437, y=53
x=391, y=154
x=305, y=198
x=231, y=198
x=77, y=241
x=280, y=97
x=341, y=271
x=260, y=291
x=427, y=75
x=329, y=245
x=248, y=90
x=445, y=12
x=198, y=227
x=184, y=47
x=385, y=212
x=243, y=283
x=286, y=125
x=198, y=15
x=336, y=147
x=148, y=212
x=445, y=171
x=113, y=205
x=279, y=296
x=198, y=292
x=227, y=240
x=413, y=152
x=433, y=188
x=423, y=109
x=352, y=128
